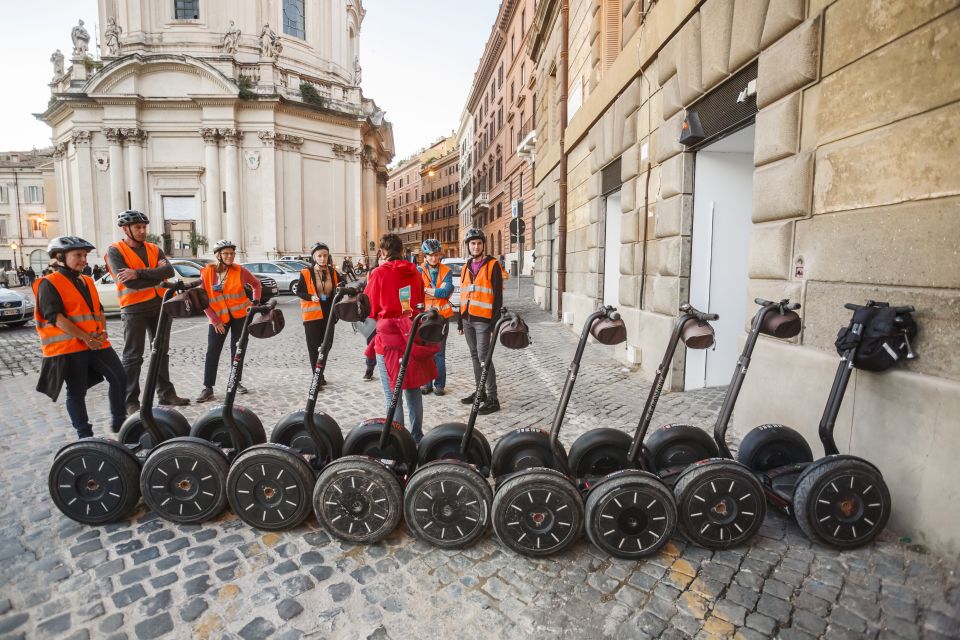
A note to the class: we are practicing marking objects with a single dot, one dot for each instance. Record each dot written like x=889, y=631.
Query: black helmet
x=223, y=244
x=317, y=246
x=131, y=216
x=474, y=234
x=62, y=244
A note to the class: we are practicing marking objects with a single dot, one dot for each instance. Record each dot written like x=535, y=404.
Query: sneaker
x=417, y=438
x=133, y=407
x=242, y=390
x=490, y=406
x=175, y=401
x=323, y=381
x=205, y=396
x=116, y=427
x=473, y=396
x=438, y=391
x=425, y=389
x=368, y=375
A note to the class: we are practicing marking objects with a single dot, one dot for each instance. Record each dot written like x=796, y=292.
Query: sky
x=418, y=59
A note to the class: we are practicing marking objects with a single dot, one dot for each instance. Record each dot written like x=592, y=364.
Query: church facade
x=222, y=120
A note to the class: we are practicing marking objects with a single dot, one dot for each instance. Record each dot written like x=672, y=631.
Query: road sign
x=516, y=209
x=514, y=224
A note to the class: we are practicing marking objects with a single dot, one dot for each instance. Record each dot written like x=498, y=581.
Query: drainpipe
x=562, y=226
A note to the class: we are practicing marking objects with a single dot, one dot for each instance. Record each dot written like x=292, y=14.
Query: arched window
x=293, y=19
x=38, y=260
x=499, y=242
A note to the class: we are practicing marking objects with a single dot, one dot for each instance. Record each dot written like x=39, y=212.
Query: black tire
x=294, y=287
x=843, y=503
x=720, y=503
x=270, y=487
x=18, y=323
x=443, y=442
x=630, y=514
x=364, y=440
x=679, y=445
x=447, y=505
x=358, y=500
x=537, y=513
x=292, y=432
x=773, y=445
x=170, y=422
x=212, y=427
x=184, y=480
x=599, y=452
x=94, y=481
x=527, y=449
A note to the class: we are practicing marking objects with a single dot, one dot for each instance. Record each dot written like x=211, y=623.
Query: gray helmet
x=62, y=244
x=223, y=244
x=431, y=246
x=474, y=234
x=130, y=216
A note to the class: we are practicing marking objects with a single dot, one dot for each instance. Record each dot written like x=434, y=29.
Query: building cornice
x=539, y=33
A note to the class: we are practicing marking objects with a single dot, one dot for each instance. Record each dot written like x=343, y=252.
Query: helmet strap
x=129, y=234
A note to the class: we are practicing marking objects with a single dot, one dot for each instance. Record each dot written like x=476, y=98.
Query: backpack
x=880, y=334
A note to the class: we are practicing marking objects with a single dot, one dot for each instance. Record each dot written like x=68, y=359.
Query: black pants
x=78, y=368
x=314, y=330
x=215, y=347
x=136, y=327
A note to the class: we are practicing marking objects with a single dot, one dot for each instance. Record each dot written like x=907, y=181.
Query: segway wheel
x=537, y=513
x=170, y=422
x=678, y=445
x=842, y=503
x=447, y=505
x=443, y=442
x=94, y=481
x=599, y=452
x=631, y=515
x=358, y=500
x=292, y=432
x=773, y=445
x=364, y=440
x=184, y=480
x=270, y=487
x=213, y=428
x=720, y=504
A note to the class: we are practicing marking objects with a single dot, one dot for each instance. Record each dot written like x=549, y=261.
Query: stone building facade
x=29, y=215
x=403, y=202
x=465, y=143
x=221, y=120
x=815, y=165
x=440, y=195
x=501, y=105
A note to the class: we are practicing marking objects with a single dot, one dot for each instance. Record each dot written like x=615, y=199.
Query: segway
x=97, y=480
x=840, y=500
x=447, y=500
x=184, y=479
x=537, y=508
x=270, y=485
x=359, y=497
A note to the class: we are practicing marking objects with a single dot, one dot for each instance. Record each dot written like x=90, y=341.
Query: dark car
x=15, y=309
x=269, y=288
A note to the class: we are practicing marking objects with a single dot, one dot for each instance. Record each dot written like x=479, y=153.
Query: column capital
x=231, y=136
x=345, y=152
x=209, y=135
x=288, y=140
x=113, y=135
x=60, y=150
x=80, y=137
x=267, y=137
x=134, y=135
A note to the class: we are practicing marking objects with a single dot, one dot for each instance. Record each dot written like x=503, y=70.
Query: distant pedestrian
x=22, y=276
x=32, y=275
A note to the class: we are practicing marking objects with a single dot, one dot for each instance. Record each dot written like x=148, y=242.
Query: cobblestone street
x=147, y=578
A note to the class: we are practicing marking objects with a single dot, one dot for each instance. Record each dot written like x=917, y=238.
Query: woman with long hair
x=315, y=290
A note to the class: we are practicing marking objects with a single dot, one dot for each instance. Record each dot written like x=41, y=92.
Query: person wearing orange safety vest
x=315, y=289
x=73, y=336
x=481, y=297
x=437, y=289
x=138, y=267
x=225, y=283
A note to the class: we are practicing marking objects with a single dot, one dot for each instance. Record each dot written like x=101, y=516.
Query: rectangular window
x=187, y=9
x=3, y=194
x=611, y=31
x=37, y=227
x=3, y=229
x=293, y=21
x=33, y=195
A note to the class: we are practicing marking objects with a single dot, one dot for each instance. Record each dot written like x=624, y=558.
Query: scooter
x=184, y=479
x=447, y=500
x=97, y=480
x=359, y=497
x=839, y=500
x=270, y=485
x=537, y=508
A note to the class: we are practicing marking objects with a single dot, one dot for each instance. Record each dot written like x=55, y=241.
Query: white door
x=611, y=255
x=722, y=202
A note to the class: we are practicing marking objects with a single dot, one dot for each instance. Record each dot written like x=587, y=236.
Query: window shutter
x=612, y=32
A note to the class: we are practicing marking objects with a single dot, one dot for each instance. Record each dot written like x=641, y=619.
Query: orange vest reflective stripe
x=56, y=342
x=476, y=296
x=125, y=295
x=309, y=309
x=431, y=302
x=232, y=300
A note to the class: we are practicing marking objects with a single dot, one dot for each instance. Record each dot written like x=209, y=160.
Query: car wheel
x=294, y=286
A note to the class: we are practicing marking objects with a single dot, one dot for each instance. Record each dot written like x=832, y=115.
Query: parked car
x=286, y=273
x=15, y=308
x=456, y=266
x=187, y=270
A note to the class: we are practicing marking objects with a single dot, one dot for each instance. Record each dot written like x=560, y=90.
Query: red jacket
x=384, y=288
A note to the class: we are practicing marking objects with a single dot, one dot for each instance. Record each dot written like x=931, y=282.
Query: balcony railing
x=483, y=200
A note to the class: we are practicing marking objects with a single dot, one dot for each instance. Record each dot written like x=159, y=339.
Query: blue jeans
x=440, y=359
x=412, y=396
x=105, y=362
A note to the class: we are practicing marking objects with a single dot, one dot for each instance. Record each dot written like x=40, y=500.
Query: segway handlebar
x=785, y=304
x=176, y=285
x=610, y=312
x=870, y=303
x=688, y=309
x=260, y=308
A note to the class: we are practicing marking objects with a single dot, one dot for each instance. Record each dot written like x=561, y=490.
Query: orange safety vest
x=431, y=302
x=232, y=301
x=309, y=309
x=476, y=296
x=125, y=295
x=53, y=340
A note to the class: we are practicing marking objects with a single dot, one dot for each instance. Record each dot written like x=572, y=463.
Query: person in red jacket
x=395, y=289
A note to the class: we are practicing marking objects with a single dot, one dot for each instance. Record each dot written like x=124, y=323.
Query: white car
x=186, y=270
x=456, y=266
x=15, y=308
x=285, y=272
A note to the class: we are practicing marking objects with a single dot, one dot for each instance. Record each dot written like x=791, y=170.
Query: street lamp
x=13, y=248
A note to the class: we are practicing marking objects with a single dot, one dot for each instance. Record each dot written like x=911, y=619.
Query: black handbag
x=515, y=334
x=881, y=336
x=267, y=324
x=187, y=304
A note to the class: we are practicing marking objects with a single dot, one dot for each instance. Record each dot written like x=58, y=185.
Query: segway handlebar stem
x=398, y=386
x=158, y=348
x=505, y=318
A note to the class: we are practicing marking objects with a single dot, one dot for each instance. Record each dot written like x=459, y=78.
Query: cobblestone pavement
x=147, y=578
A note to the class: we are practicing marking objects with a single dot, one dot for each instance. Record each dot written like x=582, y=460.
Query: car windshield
x=455, y=267
x=288, y=265
x=187, y=270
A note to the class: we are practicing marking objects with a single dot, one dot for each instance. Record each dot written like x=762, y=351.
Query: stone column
x=290, y=193
x=118, y=192
x=211, y=183
x=135, y=171
x=231, y=138
x=368, y=204
x=83, y=184
x=269, y=213
x=62, y=177
x=382, y=176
